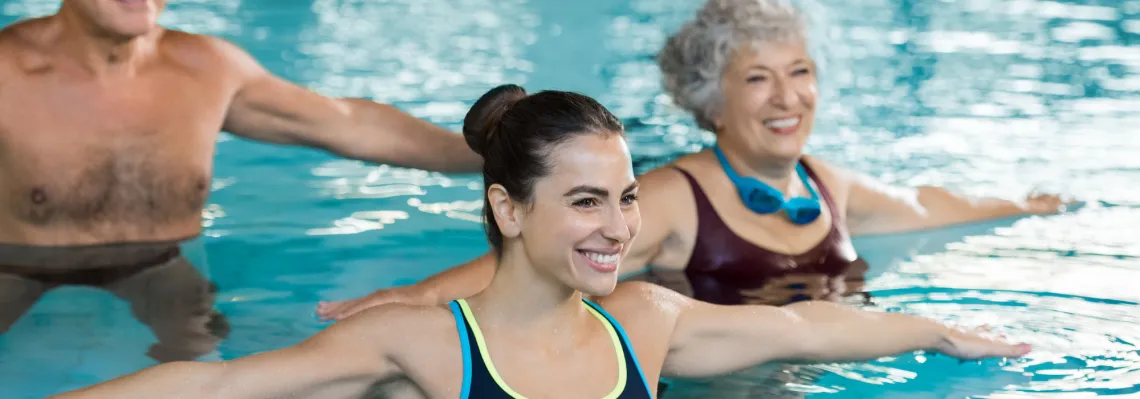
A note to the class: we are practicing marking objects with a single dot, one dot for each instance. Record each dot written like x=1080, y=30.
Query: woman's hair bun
x=484, y=117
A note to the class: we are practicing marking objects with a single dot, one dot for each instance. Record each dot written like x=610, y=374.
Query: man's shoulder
x=202, y=51
x=23, y=46
x=22, y=32
x=183, y=43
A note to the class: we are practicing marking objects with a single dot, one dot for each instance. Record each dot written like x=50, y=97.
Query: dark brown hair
x=517, y=133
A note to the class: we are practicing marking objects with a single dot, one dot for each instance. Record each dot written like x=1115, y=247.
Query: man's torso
x=88, y=160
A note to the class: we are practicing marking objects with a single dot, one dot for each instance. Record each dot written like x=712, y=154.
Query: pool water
x=994, y=98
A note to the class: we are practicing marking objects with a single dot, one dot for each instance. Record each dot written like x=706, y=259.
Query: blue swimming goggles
x=763, y=199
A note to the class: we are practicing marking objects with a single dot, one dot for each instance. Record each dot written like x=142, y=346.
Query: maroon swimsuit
x=722, y=263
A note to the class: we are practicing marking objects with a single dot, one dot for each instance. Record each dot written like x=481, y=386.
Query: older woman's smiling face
x=769, y=99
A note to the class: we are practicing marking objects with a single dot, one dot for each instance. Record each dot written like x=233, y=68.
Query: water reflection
x=1080, y=345
x=429, y=59
x=30, y=8
x=408, y=50
x=984, y=97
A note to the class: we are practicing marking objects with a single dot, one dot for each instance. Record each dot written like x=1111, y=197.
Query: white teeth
x=782, y=123
x=600, y=258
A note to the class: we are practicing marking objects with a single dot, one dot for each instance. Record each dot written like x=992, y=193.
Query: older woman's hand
x=1046, y=203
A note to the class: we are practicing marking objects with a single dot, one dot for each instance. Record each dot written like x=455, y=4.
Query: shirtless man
x=107, y=131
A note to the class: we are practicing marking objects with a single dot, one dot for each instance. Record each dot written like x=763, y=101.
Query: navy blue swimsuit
x=482, y=381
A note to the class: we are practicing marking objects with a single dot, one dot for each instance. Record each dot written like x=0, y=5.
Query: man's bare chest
x=86, y=152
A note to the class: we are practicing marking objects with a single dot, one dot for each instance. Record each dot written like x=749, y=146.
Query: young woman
x=561, y=211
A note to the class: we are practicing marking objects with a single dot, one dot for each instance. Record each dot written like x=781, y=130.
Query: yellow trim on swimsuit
x=502, y=384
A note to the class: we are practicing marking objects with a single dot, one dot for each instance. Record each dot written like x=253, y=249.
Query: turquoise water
x=985, y=97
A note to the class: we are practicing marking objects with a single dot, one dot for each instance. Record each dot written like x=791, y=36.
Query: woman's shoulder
x=640, y=297
x=670, y=173
x=647, y=312
x=675, y=175
x=838, y=179
x=825, y=169
x=395, y=317
x=667, y=187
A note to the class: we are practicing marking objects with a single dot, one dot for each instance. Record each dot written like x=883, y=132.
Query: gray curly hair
x=694, y=59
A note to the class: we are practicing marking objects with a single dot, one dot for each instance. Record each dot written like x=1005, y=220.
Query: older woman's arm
x=874, y=207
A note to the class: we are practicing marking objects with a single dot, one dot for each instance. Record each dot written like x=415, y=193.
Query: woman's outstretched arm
x=341, y=361
x=710, y=340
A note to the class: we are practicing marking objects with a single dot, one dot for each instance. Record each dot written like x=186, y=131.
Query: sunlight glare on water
x=987, y=98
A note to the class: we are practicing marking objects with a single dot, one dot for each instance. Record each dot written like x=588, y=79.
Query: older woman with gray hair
x=754, y=219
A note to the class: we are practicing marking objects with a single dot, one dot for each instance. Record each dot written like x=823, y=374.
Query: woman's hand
x=340, y=310
x=1046, y=203
x=978, y=344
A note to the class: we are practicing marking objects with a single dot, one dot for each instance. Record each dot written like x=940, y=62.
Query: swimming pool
x=983, y=97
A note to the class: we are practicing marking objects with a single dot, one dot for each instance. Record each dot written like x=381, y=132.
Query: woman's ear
x=505, y=210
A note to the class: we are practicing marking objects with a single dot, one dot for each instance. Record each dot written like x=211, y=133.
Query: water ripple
x=985, y=98
x=1080, y=345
